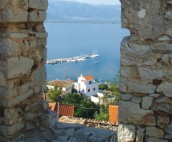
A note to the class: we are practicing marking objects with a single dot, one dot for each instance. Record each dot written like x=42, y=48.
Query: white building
x=66, y=85
x=86, y=85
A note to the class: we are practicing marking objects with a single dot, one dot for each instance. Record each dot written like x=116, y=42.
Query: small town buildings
x=66, y=85
x=87, y=85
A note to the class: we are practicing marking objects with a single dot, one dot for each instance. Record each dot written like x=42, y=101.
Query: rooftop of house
x=60, y=83
x=88, y=77
x=64, y=109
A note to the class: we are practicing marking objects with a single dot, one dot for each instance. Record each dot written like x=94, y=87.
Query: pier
x=72, y=59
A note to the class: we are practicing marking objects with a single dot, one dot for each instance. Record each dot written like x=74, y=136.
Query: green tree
x=86, y=109
x=103, y=86
x=83, y=105
x=72, y=98
x=102, y=115
x=54, y=94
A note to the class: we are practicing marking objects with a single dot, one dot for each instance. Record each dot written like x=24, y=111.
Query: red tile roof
x=89, y=77
x=64, y=110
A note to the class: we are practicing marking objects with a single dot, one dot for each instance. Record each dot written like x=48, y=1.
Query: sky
x=107, y=2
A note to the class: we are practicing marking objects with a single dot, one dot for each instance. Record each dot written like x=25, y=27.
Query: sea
x=74, y=39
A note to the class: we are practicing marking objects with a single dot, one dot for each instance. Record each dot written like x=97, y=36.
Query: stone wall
x=24, y=116
x=145, y=112
x=22, y=66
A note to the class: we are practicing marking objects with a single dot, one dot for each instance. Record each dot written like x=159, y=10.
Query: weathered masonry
x=24, y=116
x=22, y=66
x=146, y=72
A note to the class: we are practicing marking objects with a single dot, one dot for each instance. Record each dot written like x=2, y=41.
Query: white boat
x=94, y=55
x=80, y=59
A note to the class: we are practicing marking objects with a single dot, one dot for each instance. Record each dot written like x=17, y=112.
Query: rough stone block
x=126, y=133
x=140, y=134
x=39, y=75
x=37, y=16
x=2, y=79
x=10, y=130
x=162, y=122
x=90, y=134
x=168, y=130
x=151, y=139
x=154, y=132
x=131, y=87
x=70, y=132
x=14, y=15
x=125, y=97
x=11, y=116
x=147, y=102
x=133, y=114
x=11, y=47
x=143, y=14
x=41, y=35
x=164, y=104
x=15, y=35
x=136, y=100
x=38, y=4
x=17, y=100
x=165, y=87
x=19, y=66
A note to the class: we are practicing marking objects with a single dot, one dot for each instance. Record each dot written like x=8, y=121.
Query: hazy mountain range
x=65, y=11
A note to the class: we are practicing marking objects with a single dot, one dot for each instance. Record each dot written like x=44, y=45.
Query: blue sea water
x=74, y=39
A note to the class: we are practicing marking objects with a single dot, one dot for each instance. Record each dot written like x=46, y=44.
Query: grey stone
x=12, y=47
x=11, y=116
x=72, y=139
x=15, y=35
x=162, y=121
x=150, y=73
x=168, y=130
x=126, y=133
x=125, y=97
x=154, y=132
x=138, y=87
x=10, y=130
x=151, y=139
x=136, y=100
x=37, y=16
x=20, y=98
x=24, y=88
x=2, y=79
x=168, y=137
x=39, y=75
x=155, y=95
x=49, y=119
x=164, y=104
x=140, y=134
x=165, y=87
x=145, y=15
x=133, y=114
x=68, y=125
x=61, y=139
x=89, y=134
x=9, y=15
x=41, y=35
x=147, y=102
x=70, y=132
x=38, y=4
x=19, y=66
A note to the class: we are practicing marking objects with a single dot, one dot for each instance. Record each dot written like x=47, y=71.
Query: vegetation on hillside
x=54, y=94
x=84, y=107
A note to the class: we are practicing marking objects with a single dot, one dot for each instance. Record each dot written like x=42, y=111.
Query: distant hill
x=65, y=11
